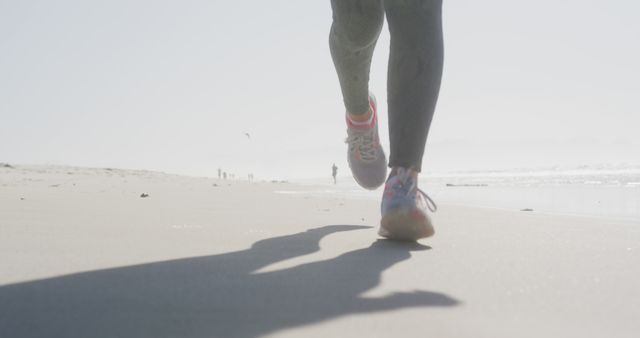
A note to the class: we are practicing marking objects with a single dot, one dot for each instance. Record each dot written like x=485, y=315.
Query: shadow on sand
x=212, y=296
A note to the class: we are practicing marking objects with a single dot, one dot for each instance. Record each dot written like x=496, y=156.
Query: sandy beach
x=84, y=255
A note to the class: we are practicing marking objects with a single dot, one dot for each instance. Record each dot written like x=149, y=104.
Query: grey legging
x=414, y=71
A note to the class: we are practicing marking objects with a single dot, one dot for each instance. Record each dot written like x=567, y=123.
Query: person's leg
x=354, y=33
x=415, y=72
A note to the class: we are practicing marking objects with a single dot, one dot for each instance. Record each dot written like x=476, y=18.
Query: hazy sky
x=174, y=85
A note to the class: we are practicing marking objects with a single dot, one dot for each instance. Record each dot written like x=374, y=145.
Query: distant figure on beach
x=219, y=173
x=413, y=84
x=224, y=175
x=334, y=172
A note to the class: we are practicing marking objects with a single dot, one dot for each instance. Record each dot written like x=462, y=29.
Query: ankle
x=411, y=172
x=363, y=117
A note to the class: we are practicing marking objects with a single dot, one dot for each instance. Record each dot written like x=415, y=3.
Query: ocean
x=597, y=191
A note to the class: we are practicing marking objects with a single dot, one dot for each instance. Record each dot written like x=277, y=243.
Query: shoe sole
x=405, y=225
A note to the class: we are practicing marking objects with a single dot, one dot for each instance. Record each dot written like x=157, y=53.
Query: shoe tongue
x=404, y=176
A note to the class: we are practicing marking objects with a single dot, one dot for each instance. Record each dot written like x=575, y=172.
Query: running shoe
x=366, y=158
x=405, y=209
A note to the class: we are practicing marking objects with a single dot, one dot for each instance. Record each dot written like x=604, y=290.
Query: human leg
x=414, y=76
x=354, y=33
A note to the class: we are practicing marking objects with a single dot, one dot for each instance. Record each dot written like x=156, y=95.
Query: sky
x=175, y=85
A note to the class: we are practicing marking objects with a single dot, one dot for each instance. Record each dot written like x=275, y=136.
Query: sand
x=82, y=254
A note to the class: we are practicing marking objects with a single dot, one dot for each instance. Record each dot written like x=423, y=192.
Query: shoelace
x=430, y=203
x=363, y=142
x=403, y=175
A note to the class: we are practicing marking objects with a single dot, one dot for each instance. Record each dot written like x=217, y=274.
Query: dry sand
x=83, y=255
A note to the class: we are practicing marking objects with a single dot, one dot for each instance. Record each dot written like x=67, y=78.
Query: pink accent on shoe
x=374, y=118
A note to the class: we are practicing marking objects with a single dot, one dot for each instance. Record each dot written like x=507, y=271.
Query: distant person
x=334, y=173
x=219, y=173
x=414, y=75
x=224, y=175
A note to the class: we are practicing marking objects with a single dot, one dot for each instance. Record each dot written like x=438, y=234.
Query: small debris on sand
x=6, y=165
x=526, y=209
x=215, y=185
x=143, y=195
